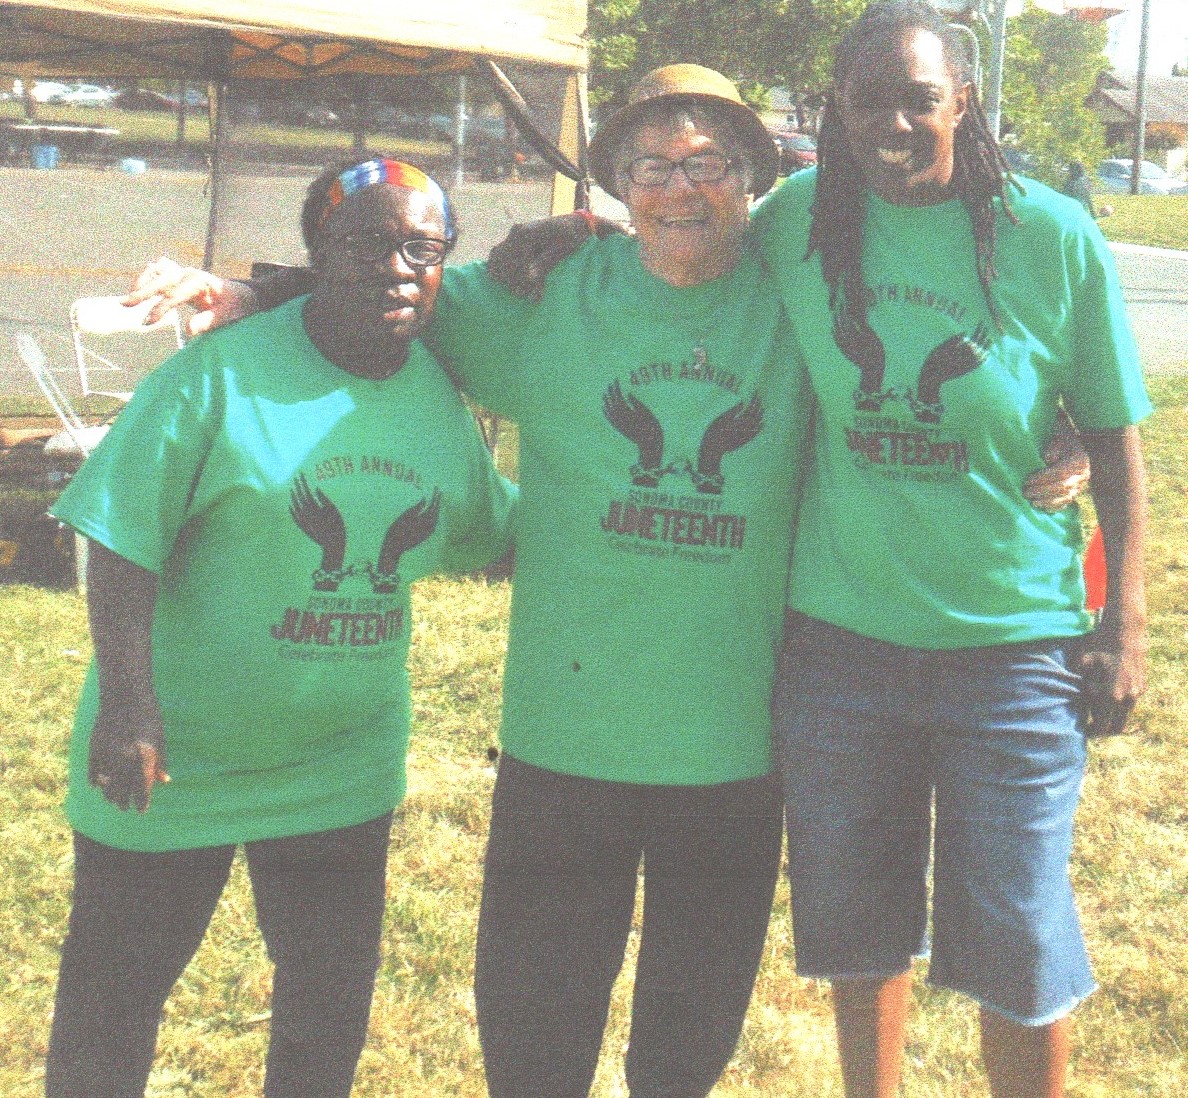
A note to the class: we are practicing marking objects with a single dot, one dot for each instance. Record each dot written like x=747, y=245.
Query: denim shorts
x=868, y=734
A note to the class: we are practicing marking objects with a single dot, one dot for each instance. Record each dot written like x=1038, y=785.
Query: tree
x=1052, y=66
x=1052, y=61
x=757, y=43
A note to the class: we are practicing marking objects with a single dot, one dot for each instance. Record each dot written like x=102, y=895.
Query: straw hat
x=681, y=82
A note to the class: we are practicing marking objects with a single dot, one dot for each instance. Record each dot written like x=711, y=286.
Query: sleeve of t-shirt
x=486, y=534
x=1105, y=388
x=133, y=493
x=780, y=220
x=476, y=331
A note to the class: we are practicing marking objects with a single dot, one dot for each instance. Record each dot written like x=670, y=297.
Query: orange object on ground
x=1094, y=564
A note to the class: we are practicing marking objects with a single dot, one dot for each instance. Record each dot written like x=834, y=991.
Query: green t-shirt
x=286, y=506
x=659, y=440
x=914, y=528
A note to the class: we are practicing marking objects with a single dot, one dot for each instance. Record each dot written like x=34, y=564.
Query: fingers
x=172, y=285
x=118, y=777
x=1112, y=685
x=1107, y=715
x=604, y=227
x=127, y=776
x=201, y=322
x=1067, y=460
x=152, y=280
x=1055, y=487
x=190, y=287
x=1049, y=495
x=152, y=770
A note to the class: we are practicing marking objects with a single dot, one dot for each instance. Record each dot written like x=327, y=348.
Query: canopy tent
x=225, y=39
x=230, y=45
x=229, y=195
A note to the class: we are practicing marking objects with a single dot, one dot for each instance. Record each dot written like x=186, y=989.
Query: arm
x=127, y=753
x=523, y=259
x=520, y=263
x=1065, y=474
x=218, y=301
x=1115, y=663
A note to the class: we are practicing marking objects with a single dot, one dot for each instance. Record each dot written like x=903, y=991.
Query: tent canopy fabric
x=221, y=40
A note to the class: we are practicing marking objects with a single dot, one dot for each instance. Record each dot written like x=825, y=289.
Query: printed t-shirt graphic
x=286, y=508
x=672, y=515
x=929, y=418
x=659, y=441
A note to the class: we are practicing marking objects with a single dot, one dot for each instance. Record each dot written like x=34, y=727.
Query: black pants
x=557, y=903
x=138, y=919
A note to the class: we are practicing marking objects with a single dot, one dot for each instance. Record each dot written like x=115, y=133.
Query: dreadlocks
x=980, y=174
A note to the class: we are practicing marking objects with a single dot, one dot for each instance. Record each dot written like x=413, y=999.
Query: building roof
x=1167, y=96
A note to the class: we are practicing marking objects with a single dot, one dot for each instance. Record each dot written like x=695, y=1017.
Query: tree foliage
x=1052, y=65
x=1052, y=61
x=759, y=44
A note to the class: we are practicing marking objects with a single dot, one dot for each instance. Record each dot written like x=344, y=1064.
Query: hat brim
x=743, y=122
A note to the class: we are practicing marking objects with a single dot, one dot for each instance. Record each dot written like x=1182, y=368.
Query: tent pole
x=569, y=191
x=218, y=110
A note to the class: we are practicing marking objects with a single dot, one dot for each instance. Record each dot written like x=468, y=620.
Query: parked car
x=1113, y=177
x=195, y=97
x=384, y=116
x=320, y=116
x=145, y=99
x=48, y=91
x=1019, y=160
x=87, y=95
x=797, y=150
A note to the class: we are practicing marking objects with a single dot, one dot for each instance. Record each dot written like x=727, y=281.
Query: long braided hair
x=980, y=173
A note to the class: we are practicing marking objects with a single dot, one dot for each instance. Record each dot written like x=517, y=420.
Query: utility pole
x=1140, y=102
x=997, y=18
x=460, y=132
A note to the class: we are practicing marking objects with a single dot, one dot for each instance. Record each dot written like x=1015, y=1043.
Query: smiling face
x=688, y=232
x=368, y=299
x=900, y=108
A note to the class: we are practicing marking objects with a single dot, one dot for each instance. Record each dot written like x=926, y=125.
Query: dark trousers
x=138, y=919
x=558, y=896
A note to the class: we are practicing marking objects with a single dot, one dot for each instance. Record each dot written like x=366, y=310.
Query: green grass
x=1130, y=870
x=1160, y=221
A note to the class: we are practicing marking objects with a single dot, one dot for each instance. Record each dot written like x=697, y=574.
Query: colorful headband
x=382, y=170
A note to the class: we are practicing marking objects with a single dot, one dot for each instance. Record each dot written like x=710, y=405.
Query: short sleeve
x=780, y=221
x=487, y=532
x=476, y=331
x=133, y=493
x=1105, y=388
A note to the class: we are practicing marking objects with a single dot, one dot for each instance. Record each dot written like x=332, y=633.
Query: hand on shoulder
x=216, y=301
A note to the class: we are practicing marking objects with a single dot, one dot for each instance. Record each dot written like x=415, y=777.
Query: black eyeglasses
x=377, y=247
x=655, y=171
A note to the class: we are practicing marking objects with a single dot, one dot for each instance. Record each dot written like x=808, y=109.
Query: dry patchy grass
x=1130, y=870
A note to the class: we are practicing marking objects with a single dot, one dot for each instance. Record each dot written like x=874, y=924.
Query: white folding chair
x=102, y=322
x=80, y=439
x=74, y=443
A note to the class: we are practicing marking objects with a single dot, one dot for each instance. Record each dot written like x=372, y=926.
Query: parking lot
x=80, y=231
